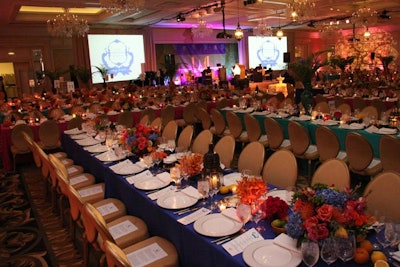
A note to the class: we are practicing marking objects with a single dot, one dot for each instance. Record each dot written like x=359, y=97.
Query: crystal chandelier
x=301, y=9
x=262, y=29
x=121, y=6
x=364, y=16
x=203, y=29
x=67, y=25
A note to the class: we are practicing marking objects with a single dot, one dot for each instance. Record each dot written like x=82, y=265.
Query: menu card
x=139, y=177
x=122, y=229
x=194, y=216
x=146, y=255
x=71, y=170
x=77, y=179
x=107, y=209
x=90, y=191
x=238, y=244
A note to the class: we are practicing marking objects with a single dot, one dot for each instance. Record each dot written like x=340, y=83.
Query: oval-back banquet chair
x=332, y=172
x=280, y=169
x=252, y=158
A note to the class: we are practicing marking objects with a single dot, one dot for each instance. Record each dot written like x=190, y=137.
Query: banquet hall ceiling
x=163, y=13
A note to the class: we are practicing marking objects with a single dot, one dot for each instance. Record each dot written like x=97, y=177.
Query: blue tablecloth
x=193, y=248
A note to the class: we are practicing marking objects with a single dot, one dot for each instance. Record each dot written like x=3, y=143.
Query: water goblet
x=176, y=176
x=203, y=187
x=243, y=211
x=258, y=215
x=310, y=252
x=345, y=247
x=215, y=184
x=328, y=253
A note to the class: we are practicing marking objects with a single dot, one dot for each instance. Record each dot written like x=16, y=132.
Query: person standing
x=3, y=89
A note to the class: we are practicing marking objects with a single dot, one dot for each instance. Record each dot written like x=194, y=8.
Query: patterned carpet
x=31, y=233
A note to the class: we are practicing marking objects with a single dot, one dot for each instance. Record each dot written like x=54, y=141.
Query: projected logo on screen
x=117, y=58
x=268, y=53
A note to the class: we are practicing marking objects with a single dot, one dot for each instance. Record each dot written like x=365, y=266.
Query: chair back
x=286, y=102
x=327, y=143
x=320, y=98
x=94, y=224
x=30, y=142
x=202, y=104
x=339, y=100
x=189, y=113
x=56, y=114
x=170, y=130
x=156, y=123
x=359, y=151
x=150, y=112
x=389, y=148
x=359, y=103
x=185, y=137
x=322, y=107
x=77, y=110
x=371, y=112
x=95, y=108
x=144, y=120
x=234, y=124
x=332, y=172
x=281, y=169
x=115, y=255
x=49, y=134
x=75, y=123
x=225, y=148
x=204, y=117
x=252, y=158
x=17, y=138
x=218, y=121
x=44, y=160
x=299, y=138
x=252, y=127
x=222, y=103
x=274, y=133
x=167, y=115
x=125, y=118
x=382, y=195
x=344, y=108
x=201, y=142
x=379, y=105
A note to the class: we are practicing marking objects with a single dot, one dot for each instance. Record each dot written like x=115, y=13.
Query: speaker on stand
x=286, y=57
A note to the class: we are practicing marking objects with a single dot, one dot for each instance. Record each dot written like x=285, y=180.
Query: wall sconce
x=238, y=33
x=279, y=33
x=367, y=34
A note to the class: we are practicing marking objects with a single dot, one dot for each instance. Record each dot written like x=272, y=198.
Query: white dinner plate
x=99, y=148
x=89, y=141
x=170, y=159
x=79, y=136
x=265, y=253
x=151, y=183
x=109, y=156
x=176, y=200
x=128, y=169
x=232, y=178
x=73, y=131
x=216, y=225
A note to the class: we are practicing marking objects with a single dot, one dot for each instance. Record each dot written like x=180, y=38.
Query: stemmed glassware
x=203, y=186
x=243, y=211
x=171, y=145
x=328, y=252
x=258, y=214
x=310, y=252
x=215, y=183
x=345, y=247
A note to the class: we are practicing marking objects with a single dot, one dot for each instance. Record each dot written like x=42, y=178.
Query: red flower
x=324, y=213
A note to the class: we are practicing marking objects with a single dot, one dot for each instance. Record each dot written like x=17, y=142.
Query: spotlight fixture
x=223, y=34
x=249, y=2
x=279, y=33
x=180, y=18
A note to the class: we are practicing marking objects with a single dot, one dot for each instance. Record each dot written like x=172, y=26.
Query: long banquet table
x=193, y=248
x=373, y=138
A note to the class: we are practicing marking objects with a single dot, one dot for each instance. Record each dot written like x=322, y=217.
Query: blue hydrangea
x=153, y=137
x=332, y=197
x=294, y=225
x=131, y=139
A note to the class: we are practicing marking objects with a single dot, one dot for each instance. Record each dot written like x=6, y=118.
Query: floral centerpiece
x=251, y=189
x=191, y=164
x=274, y=208
x=140, y=140
x=322, y=211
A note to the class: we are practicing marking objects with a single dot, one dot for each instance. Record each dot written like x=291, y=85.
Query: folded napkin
x=387, y=131
x=170, y=159
x=139, y=177
x=112, y=112
x=372, y=129
x=231, y=213
x=260, y=113
x=164, y=177
x=141, y=164
x=396, y=255
x=352, y=126
x=304, y=118
x=20, y=122
x=191, y=192
x=247, y=110
x=121, y=165
x=285, y=241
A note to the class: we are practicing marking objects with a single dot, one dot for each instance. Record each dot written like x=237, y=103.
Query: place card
x=194, y=216
x=90, y=191
x=71, y=170
x=191, y=192
x=238, y=244
x=122, y=229
x=139, y=177
x=146, y=255
x=107, y=209
x=77, y=179
x=159, y=193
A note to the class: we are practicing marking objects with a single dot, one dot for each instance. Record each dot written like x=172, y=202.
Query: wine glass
x=109, y=139
x=176, y=177
x=203, y=187
x=328, y=253
x=215, y=183
x=258, y=215
x=310, y=252
x=243, y=211
x=345, y=247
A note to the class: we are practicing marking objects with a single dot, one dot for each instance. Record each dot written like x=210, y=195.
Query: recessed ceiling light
x=11, y=53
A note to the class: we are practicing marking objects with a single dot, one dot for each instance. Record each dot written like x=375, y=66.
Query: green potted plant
x=83, y=75
x=103, y=71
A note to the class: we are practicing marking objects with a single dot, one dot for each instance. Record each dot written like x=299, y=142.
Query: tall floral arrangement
x=140, y=140
x=322, y=211
x=251, y=189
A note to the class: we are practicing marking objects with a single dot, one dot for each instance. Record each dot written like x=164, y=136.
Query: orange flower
x=251, y=189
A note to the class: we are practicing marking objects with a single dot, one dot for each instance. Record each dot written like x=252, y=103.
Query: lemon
x=224, y=190
x=381, y=263
x=341, y=232
x=378, y=255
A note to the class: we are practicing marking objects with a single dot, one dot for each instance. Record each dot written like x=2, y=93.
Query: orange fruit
x=361, y=256
x=341, y=232
x=367, y=245
x=378, y=255
x=224, y=190
x=381, y=263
